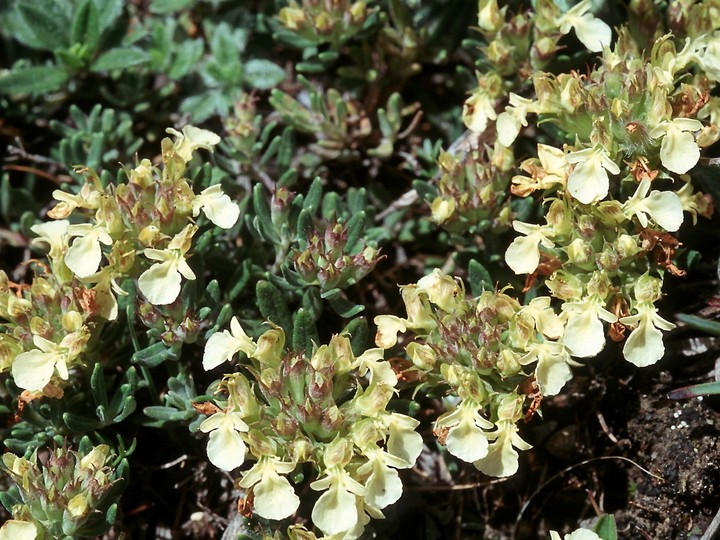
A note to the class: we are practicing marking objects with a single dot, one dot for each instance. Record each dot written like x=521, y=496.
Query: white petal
x=584, y=334
x=84, y=256
x=335, y=511
x=219, y=348
x=523, y=255
x=589, y=181
x=679, y=152
x=18, y=530
x=160, y=283
x=275, y=498
x=666, y=209
x=467, y=442
x=593, y=33
x=226, y=449
x=32, y=370
x=644, y=346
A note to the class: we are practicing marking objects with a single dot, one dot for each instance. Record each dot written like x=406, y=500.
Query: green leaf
x=154, y=355
x=314, y=194
x=169, y=6
x=263, y=216
x=108, y=12
x=355, y=229
x=359, y=332
x=86, y=26
x=169, y=414
x=33, y=80
x=186, y=57
x=273, y=305
x=120, y=58
x=698, y=323
x=479, y=277
x=263, y=74
x=605, y=527
x=344, y=307
x=97, y=385
x=48, y=21
x=80, y=424
x=304, y=332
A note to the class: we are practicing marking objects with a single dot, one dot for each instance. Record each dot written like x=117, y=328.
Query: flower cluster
x=142, y=229
x=330, y=261
x=473, y=189
x=615, y=184
x=296, y=417
x=480, y=348
x=324, y=22
x=70, y=495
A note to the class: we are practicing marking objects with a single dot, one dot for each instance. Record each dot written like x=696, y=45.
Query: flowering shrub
x=247, y=264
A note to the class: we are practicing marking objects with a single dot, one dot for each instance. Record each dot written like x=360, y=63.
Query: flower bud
x=647, y=289
x=490, y=17
x=579, y=251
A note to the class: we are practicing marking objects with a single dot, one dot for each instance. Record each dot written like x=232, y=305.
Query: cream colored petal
x=18, y=530
x=335, y=511
x=226, y=449
x=644, y=346
x=589, y=182
x=388, y=327
x=222, y=211
x=552, y=372
x=84, y=256
x=32, y=370
x=403, y=441
x=221, y=347
x=584, y=334
x=679, y=152
x=666, y=209
x=275, y=498
x=384, y=486
x=592, y=32
x=501, y=459
x=523, y=254
x=160, y=283
x=467, y=441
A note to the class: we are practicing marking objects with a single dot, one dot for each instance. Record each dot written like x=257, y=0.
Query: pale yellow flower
x=191, y=139
x=594, y=33
x=217, y=206
x=161, y=282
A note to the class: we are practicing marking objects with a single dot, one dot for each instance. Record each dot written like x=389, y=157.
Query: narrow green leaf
x=154, y=355
x=304, y=332
x=159, y=412
x=344, y=307
x=97, y=385
x=273, y=305
x=359, y=332
x=479, y=277
x=120, y=58
x=355, y=229
x=33, y=80
x=86, y=26
x=261, y=205
x=314, y=195
x=698, y=323
x=80, y=424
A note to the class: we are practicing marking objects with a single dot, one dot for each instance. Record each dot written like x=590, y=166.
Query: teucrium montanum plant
x=322, y=415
